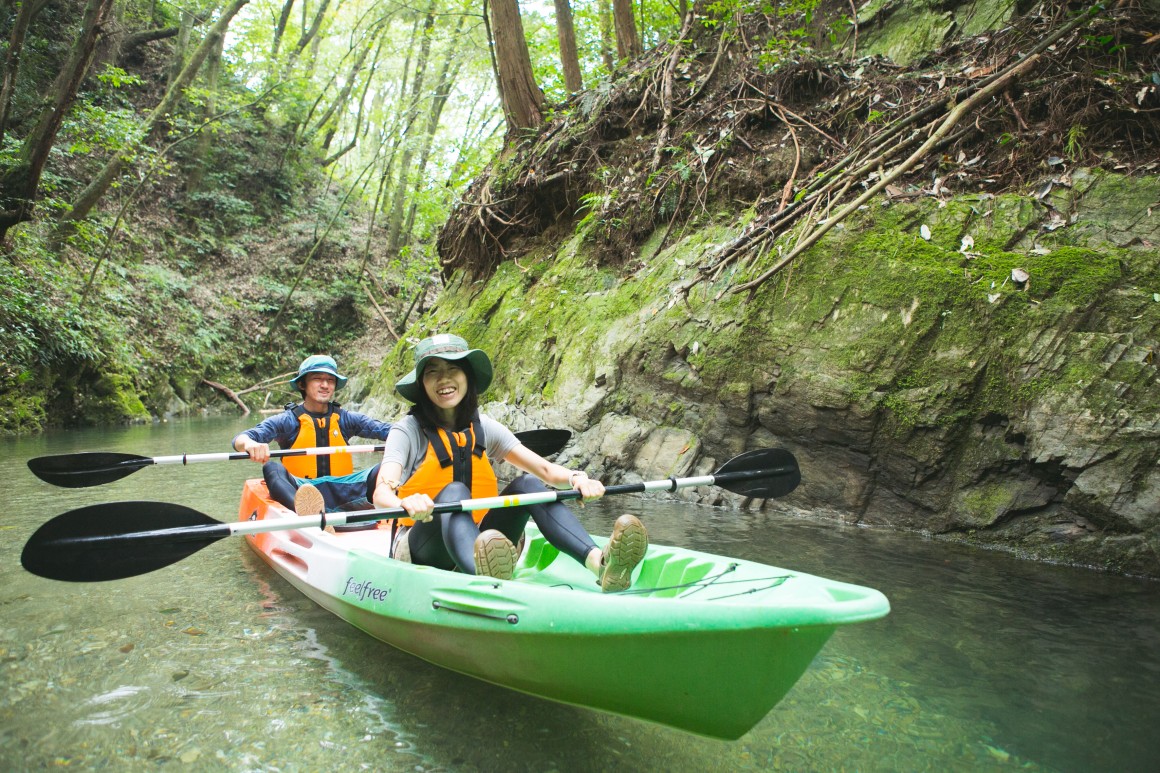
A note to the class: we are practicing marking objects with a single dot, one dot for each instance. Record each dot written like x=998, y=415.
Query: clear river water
x=986, y=663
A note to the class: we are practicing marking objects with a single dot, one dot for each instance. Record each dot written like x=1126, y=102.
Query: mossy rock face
x=906, y=31
x=113, y=399
x=921, y=384
x=22, y=403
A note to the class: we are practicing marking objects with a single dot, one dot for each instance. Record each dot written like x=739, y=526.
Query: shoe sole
x=495, y=556
x=402, y=550
x=626, y=548
x=308, y=501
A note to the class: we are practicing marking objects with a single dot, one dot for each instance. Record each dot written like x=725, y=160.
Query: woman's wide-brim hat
x=444, y=347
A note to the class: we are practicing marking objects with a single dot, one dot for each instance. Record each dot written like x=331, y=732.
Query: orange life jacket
x=453, y=456
x=318, y=432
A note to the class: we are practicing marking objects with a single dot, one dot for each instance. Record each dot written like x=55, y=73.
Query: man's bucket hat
x=318, y=363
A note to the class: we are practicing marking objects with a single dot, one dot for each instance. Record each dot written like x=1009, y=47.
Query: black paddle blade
x=545, y=442
x=87, y=469
x=118, y=539
x=762, y=474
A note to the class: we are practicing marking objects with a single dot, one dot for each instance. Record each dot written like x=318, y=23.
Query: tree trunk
x=438, y=100
x=569, y=59
x=607, y=44
x=394, y=132
x=398, y=198
x=307, y=36
x=362, y=106
x=201, y=153
x=184, y=31
x=627, y=41
x=523, y=102
x=135, y=40
x=280, y=29
x=19, y=183
x=88, y=198
x=327, y=122
x=12, y=62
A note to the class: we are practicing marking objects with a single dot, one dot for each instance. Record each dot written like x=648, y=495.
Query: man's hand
x=259, y=452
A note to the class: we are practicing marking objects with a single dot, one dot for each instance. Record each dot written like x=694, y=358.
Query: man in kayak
x=313, y=423
x=441, y=451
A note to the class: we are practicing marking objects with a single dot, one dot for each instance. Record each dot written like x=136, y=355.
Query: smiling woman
x=442, y=451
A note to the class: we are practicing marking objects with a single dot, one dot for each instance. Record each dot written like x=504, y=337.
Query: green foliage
x=1106, y=44
x=793, y=40
x=594, y=207
x=1074, y=146
x=90, y=128
x=217, y=211
x=116, y=77
x=34, y=330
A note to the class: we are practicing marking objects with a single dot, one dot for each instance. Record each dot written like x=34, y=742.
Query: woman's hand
x=420, y=507
x=589, y=488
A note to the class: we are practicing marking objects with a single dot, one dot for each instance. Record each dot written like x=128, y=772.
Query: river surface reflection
x=987, y=662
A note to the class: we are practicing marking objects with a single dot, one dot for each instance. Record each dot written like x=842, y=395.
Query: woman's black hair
x=424, y=410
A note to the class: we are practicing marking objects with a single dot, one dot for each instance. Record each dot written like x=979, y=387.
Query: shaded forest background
x=198, y=196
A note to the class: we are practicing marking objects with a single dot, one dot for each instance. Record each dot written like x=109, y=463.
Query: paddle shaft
x=97, y=468
x=225, y=457
x=124, y=539
x=211, y=532
x=497, y=502
x=229, y=457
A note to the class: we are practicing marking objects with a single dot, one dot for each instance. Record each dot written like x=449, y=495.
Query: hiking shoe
x=625, y=549
x=308, y=500
x=402, y=551
x=495, y=555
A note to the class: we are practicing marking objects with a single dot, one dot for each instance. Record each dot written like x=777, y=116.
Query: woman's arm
x=418, y=506
x=554, y=474
x=397, y=454
x=387, y=485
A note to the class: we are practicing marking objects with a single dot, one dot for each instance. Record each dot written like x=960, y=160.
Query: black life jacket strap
x=455, y=456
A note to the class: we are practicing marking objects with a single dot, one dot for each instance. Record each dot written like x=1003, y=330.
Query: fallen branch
x=225, y=390
x=282, y=378
x=667, y=93
x=382, y=314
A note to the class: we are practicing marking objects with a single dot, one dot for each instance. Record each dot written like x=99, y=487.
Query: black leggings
x=448, y=539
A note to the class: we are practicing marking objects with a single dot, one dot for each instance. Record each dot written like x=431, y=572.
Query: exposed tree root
x=792, y=140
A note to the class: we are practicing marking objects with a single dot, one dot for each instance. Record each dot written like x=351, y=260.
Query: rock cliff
x=959, y=340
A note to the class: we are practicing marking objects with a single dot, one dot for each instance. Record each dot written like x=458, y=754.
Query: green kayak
x=702, y=643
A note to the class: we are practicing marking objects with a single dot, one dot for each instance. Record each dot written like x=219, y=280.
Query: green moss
x=983, y=504
x=905, y=412
x=912, y=29
x=22, y=404
x=114, y=399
